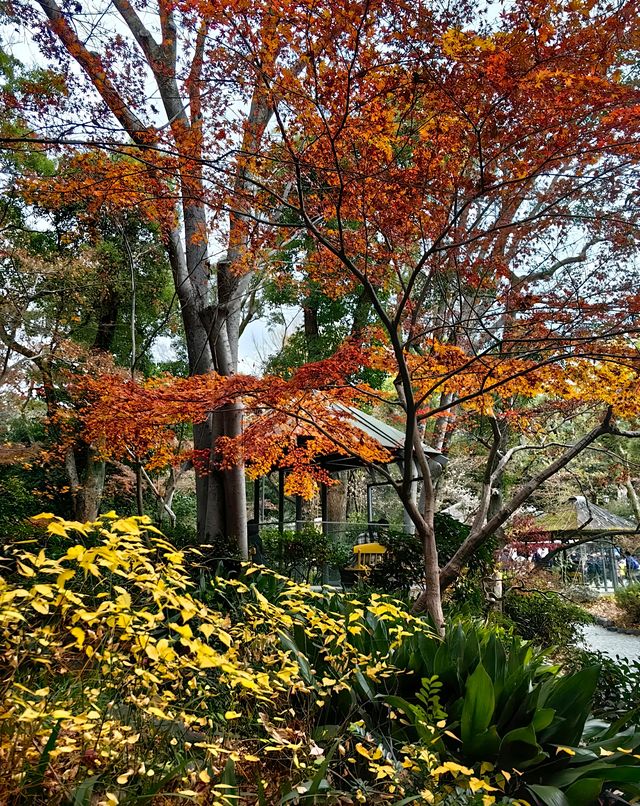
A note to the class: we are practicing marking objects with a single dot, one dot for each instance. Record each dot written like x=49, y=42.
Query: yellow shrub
x=112, y=668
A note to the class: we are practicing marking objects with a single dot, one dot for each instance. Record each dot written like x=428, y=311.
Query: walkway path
x=611, y=643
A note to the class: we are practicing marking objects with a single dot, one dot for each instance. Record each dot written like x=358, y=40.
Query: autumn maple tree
x=473, y=176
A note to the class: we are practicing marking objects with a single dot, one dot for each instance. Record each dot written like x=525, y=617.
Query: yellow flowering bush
x=122, y=678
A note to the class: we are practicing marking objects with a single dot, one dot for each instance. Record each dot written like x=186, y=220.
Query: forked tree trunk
x=220, y=497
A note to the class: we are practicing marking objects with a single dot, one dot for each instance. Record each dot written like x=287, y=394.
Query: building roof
x=579, y=514
x=390, y=438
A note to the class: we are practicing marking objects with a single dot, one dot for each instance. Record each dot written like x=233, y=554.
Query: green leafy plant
x=618, y=691
x=628, y=600
x=546, y=618
x=402, y=566
x=298, y=554
x=506, y=706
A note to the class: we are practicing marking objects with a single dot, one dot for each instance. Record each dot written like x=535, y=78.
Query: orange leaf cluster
x=292, y=423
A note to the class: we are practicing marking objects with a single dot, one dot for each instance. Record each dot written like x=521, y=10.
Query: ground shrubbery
x=628, y=600
x=300, y=554
x=402, y=566
x=546, y=618
x=129, y=672
x=618, y=691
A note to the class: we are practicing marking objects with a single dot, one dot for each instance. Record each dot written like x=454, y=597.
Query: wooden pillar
x=614, y=568
x=281, y=501
x=257, y=495
x=299, y=523
x=324, y=508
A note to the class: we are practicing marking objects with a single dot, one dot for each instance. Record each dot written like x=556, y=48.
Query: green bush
x=24, y=490
x=628, y=600
x=503, y=705
x=506, y=706
x=300, y=555
x=546, y=618
x=618, y=687
x=402, y=566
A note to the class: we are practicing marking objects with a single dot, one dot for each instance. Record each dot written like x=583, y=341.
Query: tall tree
x=178, y=49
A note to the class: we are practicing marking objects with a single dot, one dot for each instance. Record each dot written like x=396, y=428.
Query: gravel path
x=611, y=643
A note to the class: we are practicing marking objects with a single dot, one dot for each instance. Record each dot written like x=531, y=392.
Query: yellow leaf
x=64, y=577
x=204, y=776
x=362, y=750
x=225, y=638
x=79, y=635
x=56, y=528
x=124, y=600
x=41, y=605
x=207, y=630
x=25, y=570
x=183, y=630
x=232, y=715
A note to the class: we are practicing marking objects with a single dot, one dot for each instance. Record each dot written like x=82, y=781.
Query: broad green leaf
x=585, y=792
x=519, y=749
x=549, y=795
x=478, y=707
x=571, y=697
x=542, y=718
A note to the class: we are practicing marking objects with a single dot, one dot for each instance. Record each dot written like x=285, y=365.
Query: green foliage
x=507, y=707
x=299, y=554
x=184, y=507
x=546, y=618
x=402, y=566
x=618, y=688
x=628, y=600
x=24, y=488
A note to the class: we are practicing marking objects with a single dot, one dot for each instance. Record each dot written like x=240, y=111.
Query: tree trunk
x=430, y=600
x=633, y=499
x=139, y=490
x=235, y=488
x=86, y=484
x=209, y=488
